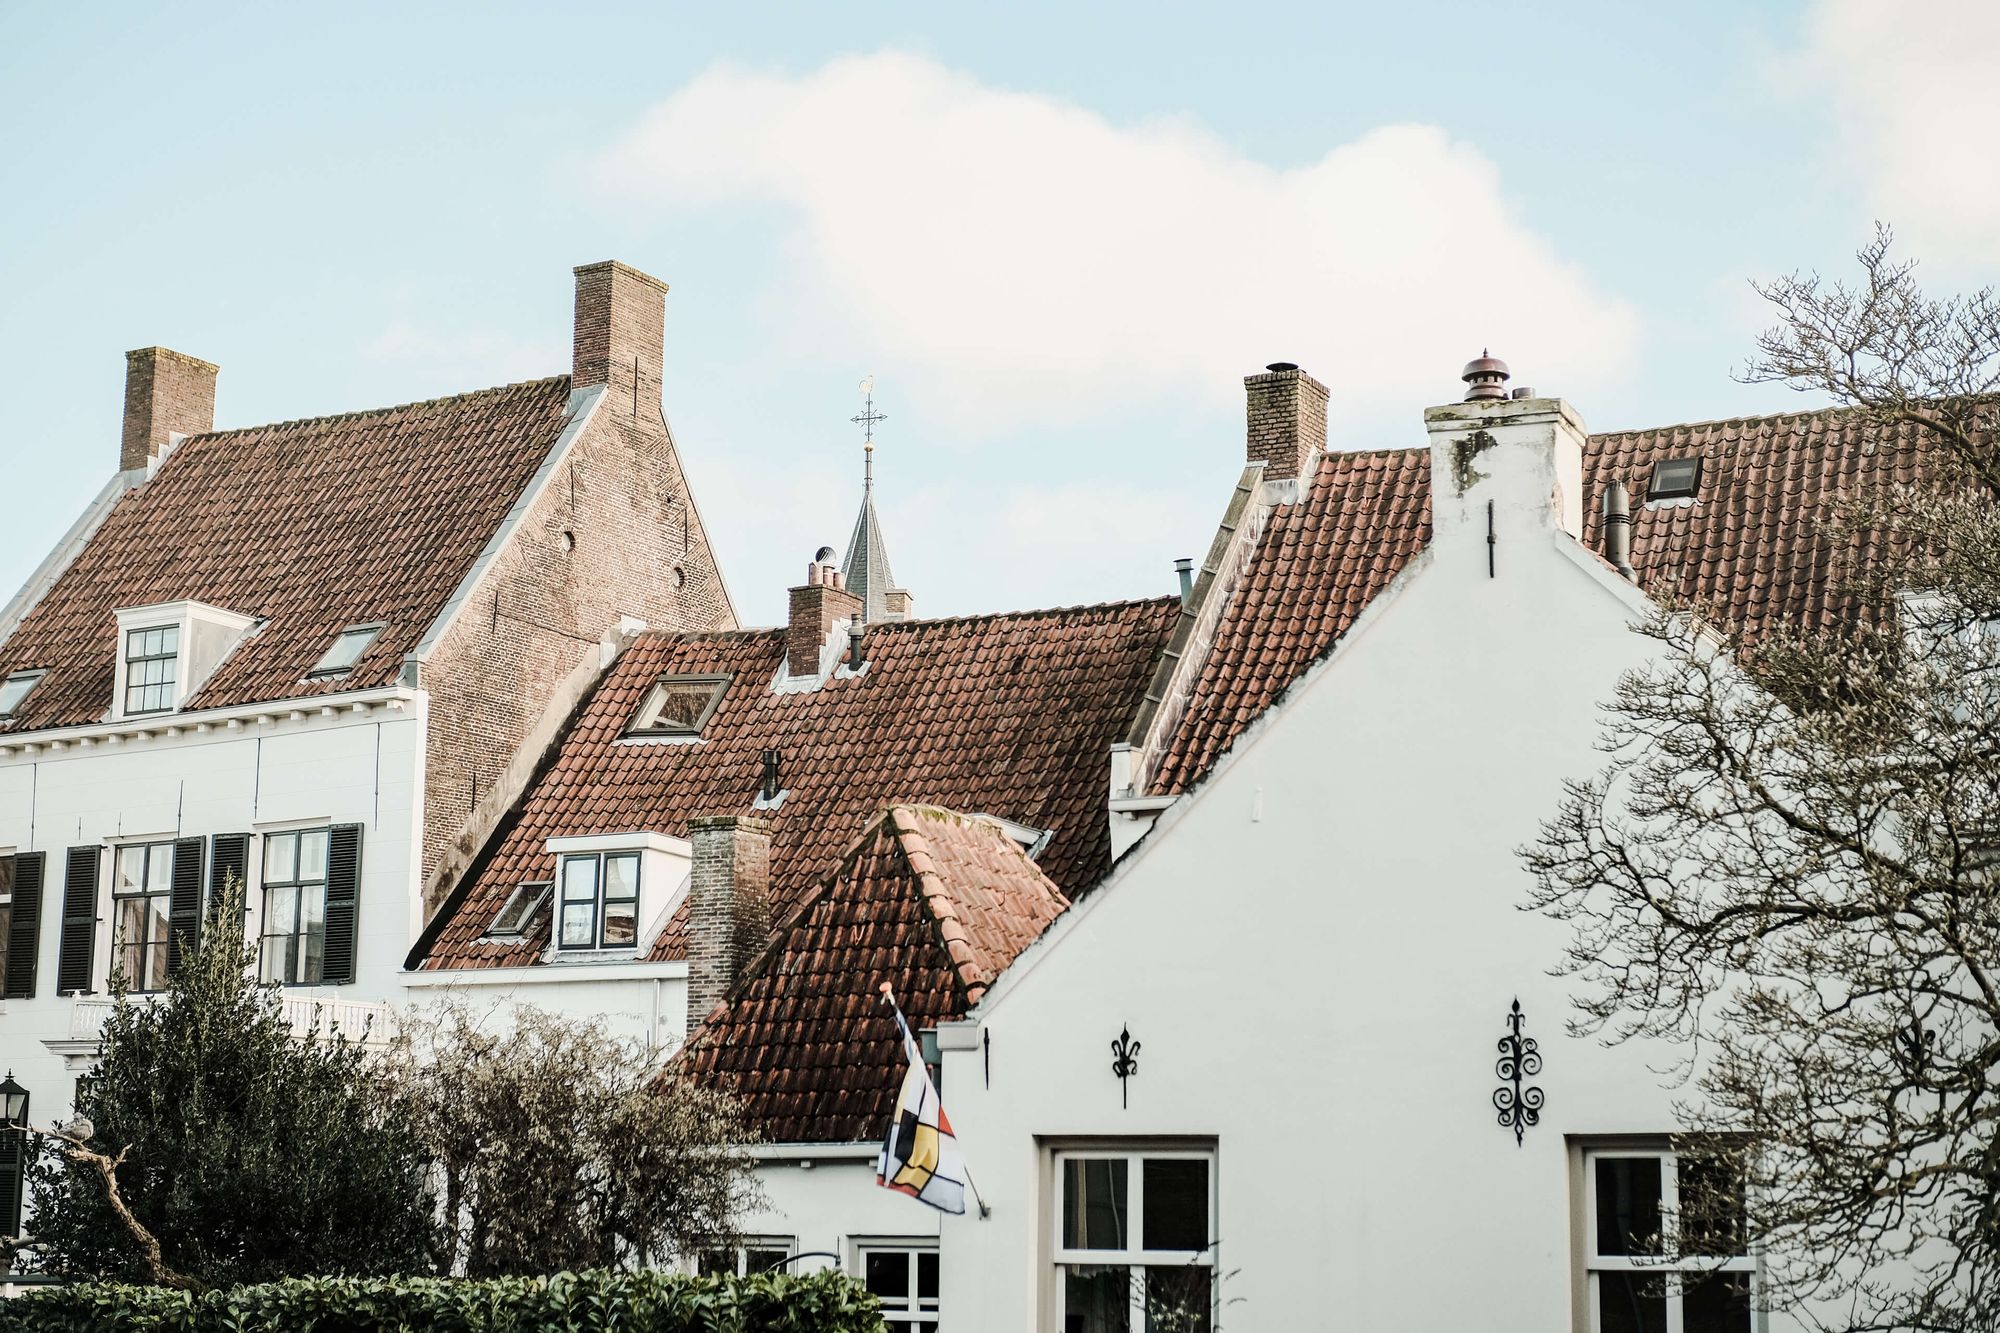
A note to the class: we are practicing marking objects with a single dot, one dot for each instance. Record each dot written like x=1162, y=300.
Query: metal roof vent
x=1485, y=378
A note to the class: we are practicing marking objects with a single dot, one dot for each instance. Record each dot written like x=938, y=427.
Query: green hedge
x=596, y=1302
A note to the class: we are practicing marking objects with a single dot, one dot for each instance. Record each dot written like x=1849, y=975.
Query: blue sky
x=1057, y=235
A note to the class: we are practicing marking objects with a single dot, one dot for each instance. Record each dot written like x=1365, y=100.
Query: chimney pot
x=167, y=393
x=1283, y=365
x=1185, y=568
x=729, y=904
x=1485, y=378
x=1523, y=392
x=1286, y=421
x=1618, y=529
x=620, y=334
x=816, y=607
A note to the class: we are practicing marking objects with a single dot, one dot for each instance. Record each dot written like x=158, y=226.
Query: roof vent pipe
x=768, y=790
x=854, y=660
x=1185, y=568
x=1618, y=529
x=1523, y=392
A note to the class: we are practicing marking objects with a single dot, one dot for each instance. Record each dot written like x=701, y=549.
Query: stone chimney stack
x=167, y=393
x=620, y=337
x=729, y=905
x=818, y=604
x=1287, y=421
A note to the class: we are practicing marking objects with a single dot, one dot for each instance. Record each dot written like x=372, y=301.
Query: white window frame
x=326, y=669
x=1134, y=1256
x=145, y=847
x=129, y=657
x=265, y=932
x=914, y=1310
x=786, y=1245
x=1670, y=1264
x=664, y=865
x=207, y=635
x=28, y=680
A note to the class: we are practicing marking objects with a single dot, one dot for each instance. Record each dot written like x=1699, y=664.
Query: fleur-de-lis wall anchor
x=1520, y=1108
x=1125, y=1063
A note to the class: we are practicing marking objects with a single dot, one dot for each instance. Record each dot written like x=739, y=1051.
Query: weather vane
x=869, y=416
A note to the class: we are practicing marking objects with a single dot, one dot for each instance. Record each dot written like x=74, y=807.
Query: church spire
x=866, y=569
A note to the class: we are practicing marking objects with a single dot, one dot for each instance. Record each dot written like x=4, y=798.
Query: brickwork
x=166, y=393
x=729, y=904
x=620, y=334
x=816, y=608
x=1287, y=423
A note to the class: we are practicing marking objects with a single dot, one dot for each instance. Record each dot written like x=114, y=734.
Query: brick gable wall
x=614, y=534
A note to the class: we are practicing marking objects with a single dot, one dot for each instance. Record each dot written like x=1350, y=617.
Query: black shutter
x=229, y=858
x=13, y=1171
x=24, y=930
x=184, y=904
x=343, y=889
x=79, y=925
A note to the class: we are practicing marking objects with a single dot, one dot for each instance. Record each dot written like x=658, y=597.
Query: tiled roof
x=929, y=901
x=309, y=525
x=1319, y=563
x=1008, y=715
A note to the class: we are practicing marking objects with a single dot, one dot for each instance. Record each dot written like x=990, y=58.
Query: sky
x=1056, y=235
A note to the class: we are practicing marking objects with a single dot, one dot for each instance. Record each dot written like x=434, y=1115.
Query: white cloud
x=1915, y=100
x=464, y=357
x=1016, y=255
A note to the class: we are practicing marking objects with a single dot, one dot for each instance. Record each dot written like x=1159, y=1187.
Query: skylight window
x=1675, y=479
x=346, y=650
x=679, y=705
x=15, y=689
x=518, y=912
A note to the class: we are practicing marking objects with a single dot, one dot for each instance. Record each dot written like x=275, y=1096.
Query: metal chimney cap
x=1487, y=377
x=823, y=556
x=1282, y=365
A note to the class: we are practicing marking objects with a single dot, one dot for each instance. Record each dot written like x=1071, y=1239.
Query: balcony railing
x=359, y=1021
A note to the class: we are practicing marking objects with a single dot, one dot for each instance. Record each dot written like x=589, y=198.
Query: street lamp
x=13, y=1103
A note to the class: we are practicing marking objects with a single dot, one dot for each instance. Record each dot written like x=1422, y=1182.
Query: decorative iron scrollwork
x=1125, y=1063
x=1520, y=1108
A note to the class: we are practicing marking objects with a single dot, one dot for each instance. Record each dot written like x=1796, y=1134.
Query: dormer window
x=346, y=651
x=600, y=901
x=678, y=706
x=612, y=892
x=1675, y=479
x=519, y=911
x=14, y=691
x=151, y=657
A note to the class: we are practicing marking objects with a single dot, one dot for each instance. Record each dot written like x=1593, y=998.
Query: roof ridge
x=356, y=413
x=723, y=635
x=1832, y=410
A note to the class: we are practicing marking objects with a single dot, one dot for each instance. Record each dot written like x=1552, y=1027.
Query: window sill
x=622, y=955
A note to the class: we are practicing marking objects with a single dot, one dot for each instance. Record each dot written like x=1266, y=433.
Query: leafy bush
x=590, y=1302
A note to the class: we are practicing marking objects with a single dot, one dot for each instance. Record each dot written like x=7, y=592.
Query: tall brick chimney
x=818, y=604
x=167, y=393
x=620, y=338
x=1287, y=421
x=729, y=904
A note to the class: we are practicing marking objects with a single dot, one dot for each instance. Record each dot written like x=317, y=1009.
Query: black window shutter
x=343, y=890
x=13, y=1170
x=79, y=925
x=229, y=858
x=24, y=932
x=184, y=904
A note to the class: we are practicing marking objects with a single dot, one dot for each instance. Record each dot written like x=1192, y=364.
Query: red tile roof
x=1008, y=715
x=931, y=902
x=310, y=525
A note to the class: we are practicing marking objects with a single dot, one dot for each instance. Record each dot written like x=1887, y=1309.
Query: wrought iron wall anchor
x=1125, y=1064
x=1520, y=1108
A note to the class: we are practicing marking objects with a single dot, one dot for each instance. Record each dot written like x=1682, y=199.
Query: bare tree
x=1788, y=863
x=556, y=1145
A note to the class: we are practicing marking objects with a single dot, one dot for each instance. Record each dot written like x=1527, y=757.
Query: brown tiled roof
x=1318, y=564
x=309, y=525
x=929, y=901
x=1009, y=715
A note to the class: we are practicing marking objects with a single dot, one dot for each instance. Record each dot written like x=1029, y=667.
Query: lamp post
x=13, y=1103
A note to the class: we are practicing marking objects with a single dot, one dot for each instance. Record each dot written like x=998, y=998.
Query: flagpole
x=985, y=1211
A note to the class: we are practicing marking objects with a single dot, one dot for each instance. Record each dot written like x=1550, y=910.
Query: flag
x=920, y=1155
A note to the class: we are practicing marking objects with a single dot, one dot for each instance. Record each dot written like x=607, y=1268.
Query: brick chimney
x=1287, y=421
x=818, y=604
x=167, y=393
x=729, y=904
x=620, y=337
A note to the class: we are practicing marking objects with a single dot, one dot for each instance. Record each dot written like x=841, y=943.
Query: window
x=679, y=705
x=1664, y=1244
x=1135, y=1240
x=294, y=952
x=760, y=1254
x=600, y=901
x=346, y=650
x=139, y=909
x=150, y=656
x=519, y=911
x=6, y=915
x=1675, y=479
x=904, y=1278
x=15, y=689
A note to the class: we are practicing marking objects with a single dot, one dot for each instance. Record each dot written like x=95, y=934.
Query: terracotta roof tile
x=1008, y=715
x=310, y=525
x=931, y=902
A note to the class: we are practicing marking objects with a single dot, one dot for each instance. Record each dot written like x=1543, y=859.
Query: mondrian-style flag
x=920, y=1155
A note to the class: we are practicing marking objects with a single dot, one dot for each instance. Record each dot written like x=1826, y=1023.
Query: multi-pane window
x=139, y=909
x=6, y=914
x=763, y=1254
x=600, y=901
x=15, y=689
x=294, y=906
x=904, y=1278
x=1665, y=1244
x=511, y=922
x=150, y=657
x=1135, y=1233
